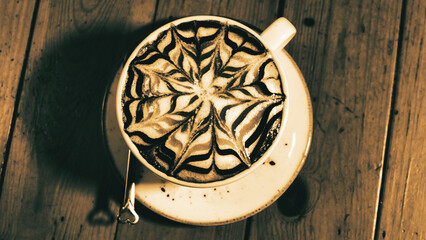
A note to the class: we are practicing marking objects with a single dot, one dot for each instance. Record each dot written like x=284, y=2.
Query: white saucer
x=240, y=199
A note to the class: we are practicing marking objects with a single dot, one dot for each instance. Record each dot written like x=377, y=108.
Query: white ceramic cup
x=274, y=38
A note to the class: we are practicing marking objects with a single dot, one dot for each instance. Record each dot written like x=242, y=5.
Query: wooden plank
x=404, y=193
x=347, y=52
x=57, y=183
x=15, y=19
x=259, y=14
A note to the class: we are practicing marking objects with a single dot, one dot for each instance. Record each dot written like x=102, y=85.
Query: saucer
x=237, y=200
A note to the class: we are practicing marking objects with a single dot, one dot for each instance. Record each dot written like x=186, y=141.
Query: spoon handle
x=127, y=212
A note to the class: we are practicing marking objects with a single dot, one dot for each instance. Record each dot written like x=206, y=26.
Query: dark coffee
x=202, y=102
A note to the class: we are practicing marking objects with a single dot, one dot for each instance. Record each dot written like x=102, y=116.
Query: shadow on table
x=66, y=87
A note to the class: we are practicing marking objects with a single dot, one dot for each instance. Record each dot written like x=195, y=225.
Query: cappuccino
x=203, y=101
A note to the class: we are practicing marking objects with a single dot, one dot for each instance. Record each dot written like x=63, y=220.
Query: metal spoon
x=127, y=212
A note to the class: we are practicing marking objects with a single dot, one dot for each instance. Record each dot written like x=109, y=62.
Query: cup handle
x=278, y=34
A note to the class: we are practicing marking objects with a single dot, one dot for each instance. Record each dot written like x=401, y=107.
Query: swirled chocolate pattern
x=202, y=102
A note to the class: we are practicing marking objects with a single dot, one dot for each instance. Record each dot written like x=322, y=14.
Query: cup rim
x=135, y=151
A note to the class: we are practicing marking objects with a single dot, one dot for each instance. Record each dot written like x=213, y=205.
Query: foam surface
x=203, y=102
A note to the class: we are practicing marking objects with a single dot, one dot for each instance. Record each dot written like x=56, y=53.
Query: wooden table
x=364, y=63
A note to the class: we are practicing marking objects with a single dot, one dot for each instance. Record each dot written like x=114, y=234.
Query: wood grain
x=15, y=19
x=347, y=52
x=404, y=192
x=255, y=13
x=58, y=184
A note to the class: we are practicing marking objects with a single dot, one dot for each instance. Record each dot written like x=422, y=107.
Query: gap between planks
x=391, y=120
x=3, y=169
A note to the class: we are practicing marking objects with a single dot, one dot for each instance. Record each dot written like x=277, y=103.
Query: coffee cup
x=201, y=101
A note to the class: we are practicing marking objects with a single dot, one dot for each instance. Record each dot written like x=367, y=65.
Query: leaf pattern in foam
x=231, y=149
x=227, y=54
x=242, y=112
x=180, y=47
x=160, y=72
x=184, y=138
x=160, y=116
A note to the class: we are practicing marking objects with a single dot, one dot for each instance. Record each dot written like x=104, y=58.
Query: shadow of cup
x=63, y=111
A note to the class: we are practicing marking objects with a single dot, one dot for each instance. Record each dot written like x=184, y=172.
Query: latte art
x=203, y=102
